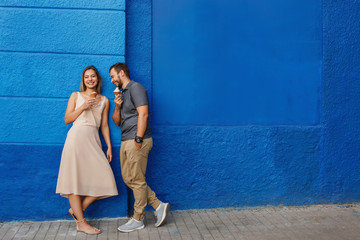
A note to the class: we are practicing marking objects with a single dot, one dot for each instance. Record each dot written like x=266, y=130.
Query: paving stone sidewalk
x=320, y=222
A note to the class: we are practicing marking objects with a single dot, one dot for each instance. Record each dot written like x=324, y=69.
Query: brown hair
x=82, y=85
x=121, y=66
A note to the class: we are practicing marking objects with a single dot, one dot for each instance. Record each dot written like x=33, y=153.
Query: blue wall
x=252, y=103
x=255, y=103
x=43, y=49
x=341, y=102
x=255, y=62
x=236, y=89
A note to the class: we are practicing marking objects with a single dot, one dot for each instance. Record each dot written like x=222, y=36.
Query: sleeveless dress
x=84, y=169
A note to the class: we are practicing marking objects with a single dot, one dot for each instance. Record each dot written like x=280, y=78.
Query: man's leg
x=142, y=193
x=133, y=169
x=152, y=200
x=126, y=172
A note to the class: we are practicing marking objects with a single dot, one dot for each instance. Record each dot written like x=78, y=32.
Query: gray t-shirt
x=134, y=95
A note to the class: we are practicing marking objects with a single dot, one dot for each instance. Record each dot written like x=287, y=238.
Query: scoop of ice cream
x=93, y=95
x=116, y=91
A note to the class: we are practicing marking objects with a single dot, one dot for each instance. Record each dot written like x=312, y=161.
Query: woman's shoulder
x=74, y=95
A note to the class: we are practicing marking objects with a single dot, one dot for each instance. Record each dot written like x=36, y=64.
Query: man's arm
x=116, y=115
x=143, y=112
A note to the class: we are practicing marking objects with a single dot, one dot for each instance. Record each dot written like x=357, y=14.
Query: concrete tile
x=12, y=229
x=330, y=222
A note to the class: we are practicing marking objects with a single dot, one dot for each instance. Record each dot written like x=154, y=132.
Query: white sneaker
x=161, y=213
x=132, y=225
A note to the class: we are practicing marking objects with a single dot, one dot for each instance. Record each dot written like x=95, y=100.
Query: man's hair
x=121, y=66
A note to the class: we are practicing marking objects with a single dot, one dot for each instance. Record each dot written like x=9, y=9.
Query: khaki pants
x=133, y=168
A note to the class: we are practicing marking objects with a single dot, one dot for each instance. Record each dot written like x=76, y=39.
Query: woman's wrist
x=82, y=108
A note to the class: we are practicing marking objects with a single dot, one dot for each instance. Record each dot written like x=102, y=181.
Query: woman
x=85, y=174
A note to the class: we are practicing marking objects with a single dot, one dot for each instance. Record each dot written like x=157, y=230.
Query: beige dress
x=84, y=169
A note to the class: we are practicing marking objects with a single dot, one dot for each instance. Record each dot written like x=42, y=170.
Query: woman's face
x=90, y=79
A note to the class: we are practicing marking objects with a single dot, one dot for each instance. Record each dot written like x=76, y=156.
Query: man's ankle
x=137, y=218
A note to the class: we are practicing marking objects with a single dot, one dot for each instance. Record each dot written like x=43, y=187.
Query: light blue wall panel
x=28, y=184
x=44, y=47
x=23, y=120
x=99, y=4
x=38, y=121
x=40, y=85
x=50, y=75
x=62, y=31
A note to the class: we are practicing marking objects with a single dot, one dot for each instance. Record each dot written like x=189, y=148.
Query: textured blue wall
x=341, y=102
x=236, y=91
x=43, y=49
x=255, y=62
x=138, y=52
x=203, y=167
x=289, y=134
x=255, y=103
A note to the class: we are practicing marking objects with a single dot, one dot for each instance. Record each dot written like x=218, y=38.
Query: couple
x=85, y=174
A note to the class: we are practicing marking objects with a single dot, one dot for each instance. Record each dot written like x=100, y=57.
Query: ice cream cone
x=116, y=91
x=93, y=95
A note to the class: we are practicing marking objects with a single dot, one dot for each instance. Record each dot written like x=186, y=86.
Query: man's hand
x=118, y=101
x=117, y=115
x=138, y=145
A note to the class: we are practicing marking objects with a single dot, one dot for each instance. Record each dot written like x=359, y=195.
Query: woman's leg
x=82, y=225
x=76, y=206
x=87, y=201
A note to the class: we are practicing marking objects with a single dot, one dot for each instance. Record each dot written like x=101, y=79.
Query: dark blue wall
x=237, y=62
x=139, y=52
x=206, y=167
x=259, y=101
x=341, y=102
x=236, y=91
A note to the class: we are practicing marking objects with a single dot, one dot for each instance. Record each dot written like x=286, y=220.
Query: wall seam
x=63, y=53
x=63, y=8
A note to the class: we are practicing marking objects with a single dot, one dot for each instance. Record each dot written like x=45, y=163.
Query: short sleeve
x=139, y=95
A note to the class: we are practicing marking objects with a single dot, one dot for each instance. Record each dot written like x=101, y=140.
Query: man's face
x=115, y=78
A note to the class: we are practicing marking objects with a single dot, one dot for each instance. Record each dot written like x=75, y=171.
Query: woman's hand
x=109, y=154
x=90, y=103
x=118, y=101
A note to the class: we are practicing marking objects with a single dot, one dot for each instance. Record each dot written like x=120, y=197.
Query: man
x=132, y=115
